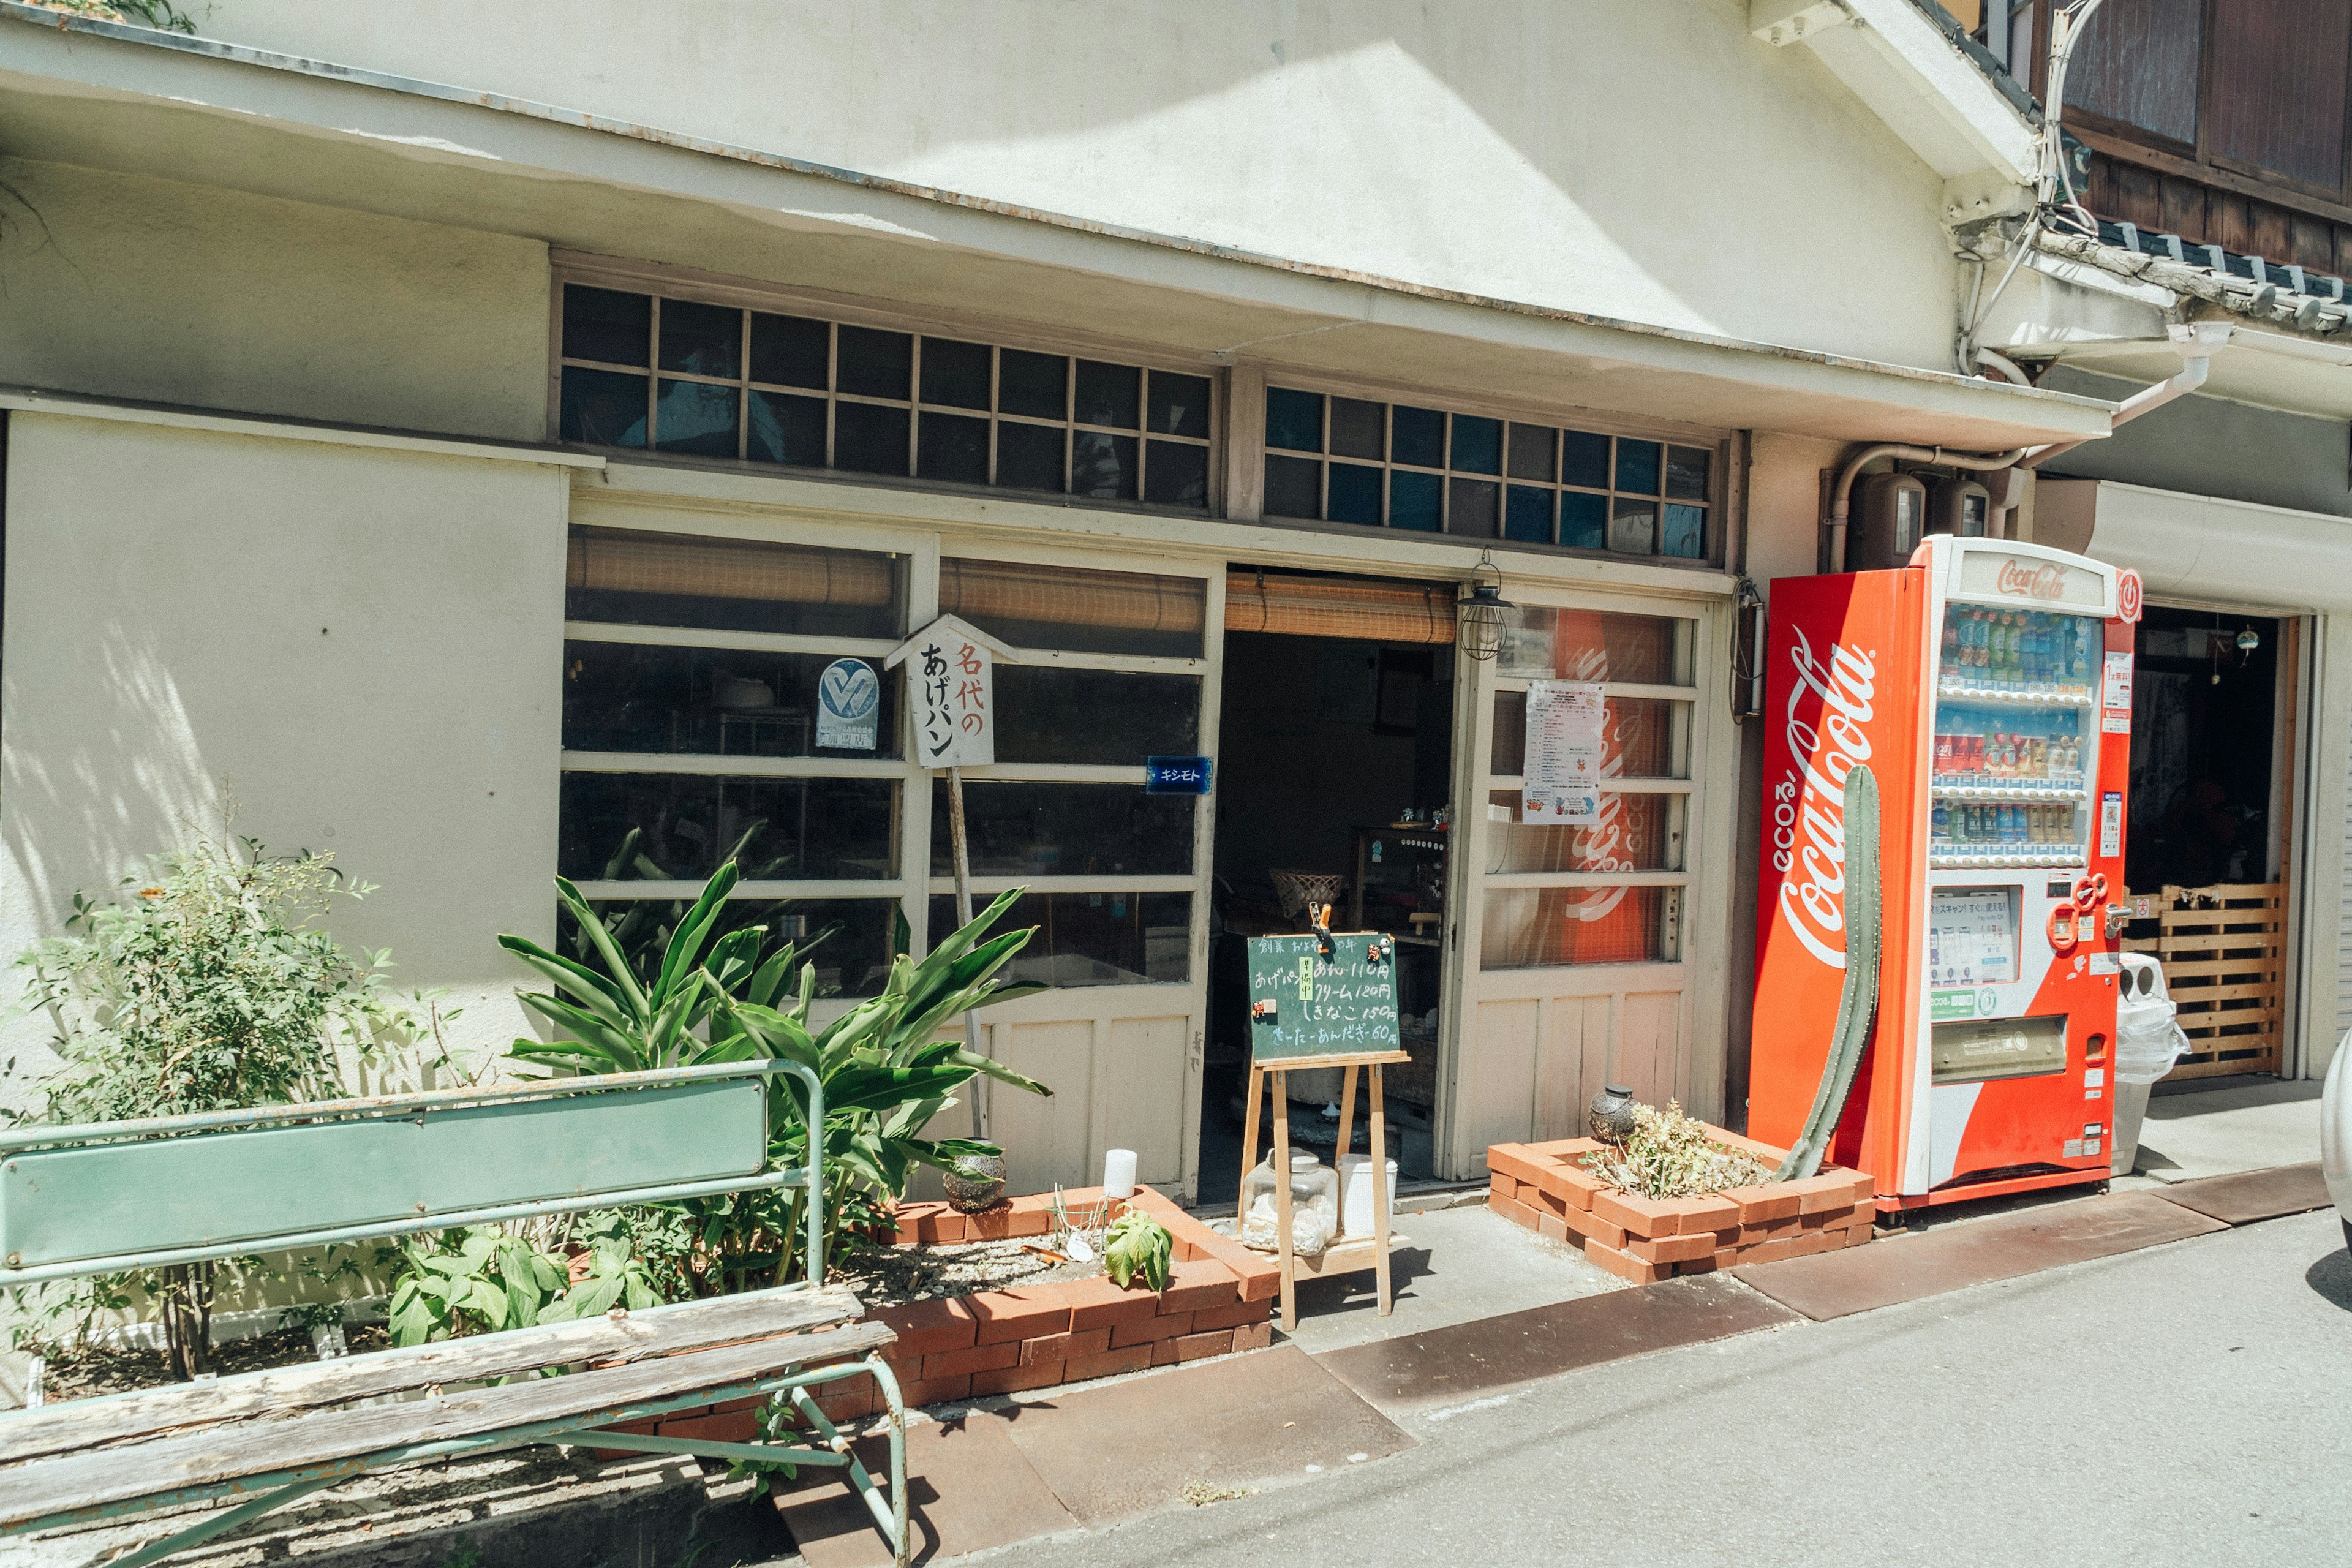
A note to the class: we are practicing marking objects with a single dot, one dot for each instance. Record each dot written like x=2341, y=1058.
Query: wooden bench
x=117, y=1196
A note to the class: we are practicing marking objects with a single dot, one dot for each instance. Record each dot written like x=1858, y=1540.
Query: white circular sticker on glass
x=848, y=705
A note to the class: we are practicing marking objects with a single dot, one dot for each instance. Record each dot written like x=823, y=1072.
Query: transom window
x=1390, y=465
x=681, y=376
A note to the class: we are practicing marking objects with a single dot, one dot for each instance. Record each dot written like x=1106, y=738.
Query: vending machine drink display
x=1988, y=686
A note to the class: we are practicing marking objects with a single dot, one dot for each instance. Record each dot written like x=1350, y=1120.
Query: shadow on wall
x=86, y=808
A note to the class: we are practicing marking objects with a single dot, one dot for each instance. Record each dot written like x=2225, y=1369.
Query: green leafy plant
x=465, y=1281
x=1138, y=1244
x=1669, y=1156
x=209, y=984
x=885, y=1072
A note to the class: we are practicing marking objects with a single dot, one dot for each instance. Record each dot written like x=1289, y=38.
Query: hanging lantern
x=1482, y=611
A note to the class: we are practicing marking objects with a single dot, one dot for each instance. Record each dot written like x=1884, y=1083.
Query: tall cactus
x=1858, y=1003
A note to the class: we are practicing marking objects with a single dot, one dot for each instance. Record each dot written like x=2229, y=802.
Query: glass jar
x=1314, y=1206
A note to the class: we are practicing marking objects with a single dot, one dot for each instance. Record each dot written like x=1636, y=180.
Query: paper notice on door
x=2111, y=823
x=1561, y=781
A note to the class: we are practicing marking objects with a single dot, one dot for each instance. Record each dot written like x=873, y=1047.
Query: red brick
x=1518, y=1162
x=1672, y=1249
x=1110, y=1363
x=976, y=1358
x=1707, y=1265
x=1192, y=1347
x=1815, y=1194
x=1712, y=1212
x=933, y=1390
x=993, y=1222
x=1577, y=1185
x=1200, y=1286
x=1513, y=1210
x=853, y=1406
x=1624, y=1264
x=1543, y=1200
x=910, y=1217
x=1099, y=1304
x=1592, y=1228
x=1232, y=1317
x=1760, y=1204
x=1771, y=1230
x=1151, y=1331
x=734, y=1427
x=928, y=1327
x=1729, y=1257
x=1061, y=1347
x=1019, y=1314
x=1552, y=1226
x=1814, y=1241
x=1499, y=1185
x=1769, y=1251
x=935, y=1221
x=1253, y=1336
x=1011, y=1379
x=1639, y=1216
x=1028, y=1218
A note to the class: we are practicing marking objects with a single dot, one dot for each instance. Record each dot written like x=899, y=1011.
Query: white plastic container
x=1356, y=1194
x=2147, y=1042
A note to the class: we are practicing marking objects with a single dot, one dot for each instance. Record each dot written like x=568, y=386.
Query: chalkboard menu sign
x=1304, y=1005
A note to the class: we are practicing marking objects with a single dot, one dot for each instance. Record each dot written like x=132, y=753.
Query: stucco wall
x=1628, y=158
x=364, y=644
x=139, y=288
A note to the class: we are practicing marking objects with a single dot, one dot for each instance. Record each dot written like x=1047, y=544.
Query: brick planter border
x=1220, y=1299
x=1546, y=1187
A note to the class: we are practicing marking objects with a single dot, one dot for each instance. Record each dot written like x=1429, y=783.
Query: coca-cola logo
x=1809, y=804
x=2042, y=581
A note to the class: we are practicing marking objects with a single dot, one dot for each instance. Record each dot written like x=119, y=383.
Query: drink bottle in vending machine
x=1988, y=686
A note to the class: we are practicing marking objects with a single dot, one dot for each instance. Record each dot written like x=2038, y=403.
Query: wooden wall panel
x=2312, y=243
x=2139, y=197
x=1046, y=1139
x=1503, y=1034
x=1649, y=1035
x=2184, y=210
x=2278, y=87
x=2270, y=239
x=1146, y=1071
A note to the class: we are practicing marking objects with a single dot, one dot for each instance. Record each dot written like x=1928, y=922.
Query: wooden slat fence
x=2224, y=950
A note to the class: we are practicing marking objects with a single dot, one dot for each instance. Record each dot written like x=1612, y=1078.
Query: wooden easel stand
x=1341, y=1257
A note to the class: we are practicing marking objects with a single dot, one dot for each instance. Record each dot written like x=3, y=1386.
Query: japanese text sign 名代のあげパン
x=950, y=691
x=1303, y=1004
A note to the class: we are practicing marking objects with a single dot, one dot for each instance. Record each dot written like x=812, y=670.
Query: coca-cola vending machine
x=1988, y=684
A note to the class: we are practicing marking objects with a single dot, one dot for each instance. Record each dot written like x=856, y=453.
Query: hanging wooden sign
x=952, y=692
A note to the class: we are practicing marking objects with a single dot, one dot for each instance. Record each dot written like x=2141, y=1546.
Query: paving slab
x=969, y=1486
x=1906, y=1267
x=1126, y=1449
x=2253, y=1196
x=1448, y=1366
x=2251, y=1124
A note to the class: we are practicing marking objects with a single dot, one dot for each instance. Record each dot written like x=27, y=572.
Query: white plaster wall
x=364, y=643
x=1632, y=158
x=137, y=288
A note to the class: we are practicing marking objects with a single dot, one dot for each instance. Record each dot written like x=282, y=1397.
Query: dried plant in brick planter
x=1554, y=1188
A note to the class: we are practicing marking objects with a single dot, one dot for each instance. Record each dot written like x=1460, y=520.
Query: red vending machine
x=1988, y=684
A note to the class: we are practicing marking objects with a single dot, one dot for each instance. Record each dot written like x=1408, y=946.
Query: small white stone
x=1358, y=1459
x=1314, y=1469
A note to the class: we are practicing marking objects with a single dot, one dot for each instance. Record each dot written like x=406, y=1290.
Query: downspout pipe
x=2196, y=344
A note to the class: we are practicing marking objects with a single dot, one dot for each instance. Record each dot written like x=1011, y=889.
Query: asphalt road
x=2191, y=1404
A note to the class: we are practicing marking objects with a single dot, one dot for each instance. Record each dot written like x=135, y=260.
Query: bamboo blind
x=1318, y=608
x=606, y=560
x=984, y=591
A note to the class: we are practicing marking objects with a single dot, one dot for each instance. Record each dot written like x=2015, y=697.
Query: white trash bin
x=2147, y=1042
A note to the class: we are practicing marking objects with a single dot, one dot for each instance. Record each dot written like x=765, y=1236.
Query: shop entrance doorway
x=2204, y=854
x=1335, y=762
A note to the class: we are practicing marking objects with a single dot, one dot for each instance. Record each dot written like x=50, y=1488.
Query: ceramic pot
x=1609, y=1117
x=975, y=1183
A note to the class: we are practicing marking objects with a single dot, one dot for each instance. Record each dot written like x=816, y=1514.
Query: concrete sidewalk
x=2249, y=1124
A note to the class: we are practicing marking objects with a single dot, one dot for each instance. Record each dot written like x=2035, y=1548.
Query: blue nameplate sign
x=1176, y=775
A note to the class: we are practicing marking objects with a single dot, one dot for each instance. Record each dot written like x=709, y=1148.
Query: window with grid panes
x=669, y=374
x=1391, y=465
x=691, y=737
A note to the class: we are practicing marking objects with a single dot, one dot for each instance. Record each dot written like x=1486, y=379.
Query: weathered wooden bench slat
x=131, y=1471
x=88, y=1424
